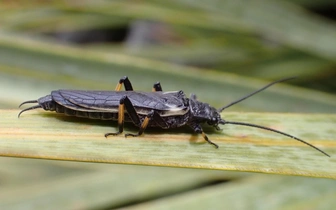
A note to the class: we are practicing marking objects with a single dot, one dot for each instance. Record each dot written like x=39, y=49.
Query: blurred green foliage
x=220, y=50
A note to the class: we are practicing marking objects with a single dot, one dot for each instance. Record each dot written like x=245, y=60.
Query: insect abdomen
x=84, y=114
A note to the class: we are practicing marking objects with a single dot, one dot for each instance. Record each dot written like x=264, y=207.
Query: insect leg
x=127, y=84
x=198, y=129
x=125, y=103
x=157, y=87
x=159, y=120
x=153, y=115
x=143, y=125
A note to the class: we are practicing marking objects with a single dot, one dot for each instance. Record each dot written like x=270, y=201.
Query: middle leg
x=151, y=116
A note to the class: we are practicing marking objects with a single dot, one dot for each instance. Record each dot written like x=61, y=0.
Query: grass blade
x=53, y=136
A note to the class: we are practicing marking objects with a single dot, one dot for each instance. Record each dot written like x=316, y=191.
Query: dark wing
x=58, y=98
x=85, y=100
x=109, y=100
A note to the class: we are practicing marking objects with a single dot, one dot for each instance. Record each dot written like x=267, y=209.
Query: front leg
x=198, y=129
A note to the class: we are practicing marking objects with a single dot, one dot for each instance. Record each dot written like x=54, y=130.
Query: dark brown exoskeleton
x=144, y=109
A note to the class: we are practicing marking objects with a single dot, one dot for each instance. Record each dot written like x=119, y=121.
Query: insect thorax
x=202, y=112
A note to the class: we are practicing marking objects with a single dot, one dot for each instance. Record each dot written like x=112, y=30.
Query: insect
x=144, y=109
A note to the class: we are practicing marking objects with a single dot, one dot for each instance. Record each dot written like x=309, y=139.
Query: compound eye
x=214, y=119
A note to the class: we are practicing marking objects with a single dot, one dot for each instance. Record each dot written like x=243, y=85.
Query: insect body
x=143, y=109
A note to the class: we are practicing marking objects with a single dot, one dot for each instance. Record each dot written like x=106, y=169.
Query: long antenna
x=253, y=93
x=273, y=130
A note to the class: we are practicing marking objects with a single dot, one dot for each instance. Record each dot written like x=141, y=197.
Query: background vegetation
x=220, y=50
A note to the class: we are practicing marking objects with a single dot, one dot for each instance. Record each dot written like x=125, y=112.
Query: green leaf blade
x=53, y=136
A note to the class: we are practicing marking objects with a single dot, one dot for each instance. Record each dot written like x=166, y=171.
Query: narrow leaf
x=53, y=136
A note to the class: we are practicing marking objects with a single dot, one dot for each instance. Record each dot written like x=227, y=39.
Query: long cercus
x=144, y=109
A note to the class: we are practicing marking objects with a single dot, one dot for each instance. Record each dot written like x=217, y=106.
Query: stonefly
x=144, y=109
